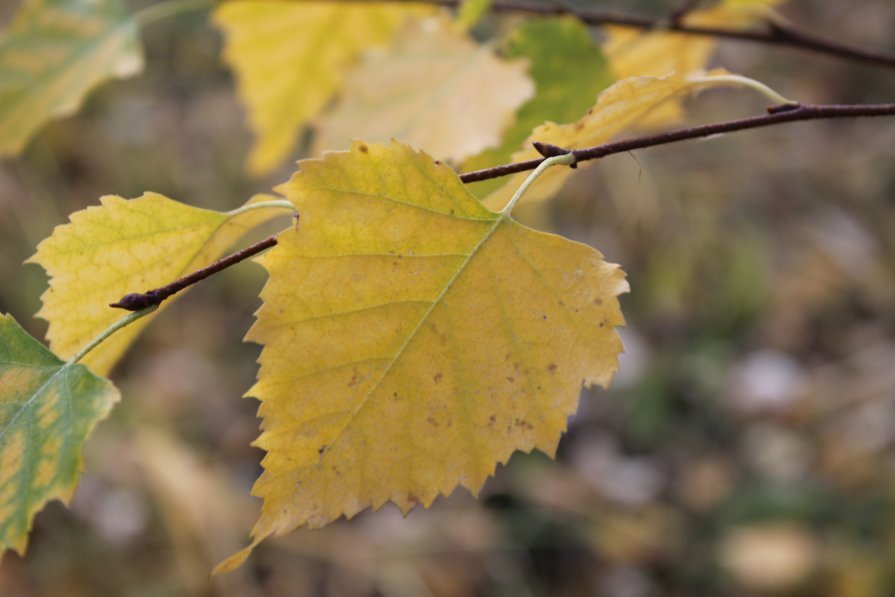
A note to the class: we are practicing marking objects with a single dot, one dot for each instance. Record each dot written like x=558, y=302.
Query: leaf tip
x=233, y=562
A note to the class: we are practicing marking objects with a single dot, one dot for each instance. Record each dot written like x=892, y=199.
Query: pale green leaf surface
x=120, y=247
x=47, y=410
x=291, y=57
x=52, y=54
x=414, y=339
x=434, y=88
x=568, y=70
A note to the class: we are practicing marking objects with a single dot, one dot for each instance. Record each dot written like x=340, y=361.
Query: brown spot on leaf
x=321, y=449
x=551, y=367
x=355, y=379
x=598, y=301
x=437, y=377
x=492, y=420
x=431, y=421
x=363, y=148
x=511, y=379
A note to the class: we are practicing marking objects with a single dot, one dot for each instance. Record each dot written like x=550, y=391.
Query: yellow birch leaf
x=626, y=104
x=413, y=339
x=47, y=410
x=434, y=89
x=633, y=53
x=289, y=59
x=52, y=54
x=125, y=246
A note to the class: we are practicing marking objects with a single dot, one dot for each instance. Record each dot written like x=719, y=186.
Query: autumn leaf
x=289, y=59
x=433, y=88
x=633, y=53
x=414, y=339
x=564, y=88
x=627, y=104
x=52, y=54
x=126, y=246
x=47, y=410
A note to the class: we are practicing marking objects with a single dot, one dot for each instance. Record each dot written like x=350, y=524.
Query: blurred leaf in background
x=52, y=54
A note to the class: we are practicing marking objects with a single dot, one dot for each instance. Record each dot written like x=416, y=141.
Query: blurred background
x=745, y=447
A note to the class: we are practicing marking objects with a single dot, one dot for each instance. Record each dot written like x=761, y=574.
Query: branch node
x=138, y=301
x=548, y=150
x=675, y=19
x=784, y=108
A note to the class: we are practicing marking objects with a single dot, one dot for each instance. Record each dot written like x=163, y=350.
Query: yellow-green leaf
x=47, y=410
x=627, y=104
x=565, y=88
x=435, y=89
x=120, y=247
x=289, y=59
x=632, y=53
x=472, y=11
x=52, y=54
x=414, y=339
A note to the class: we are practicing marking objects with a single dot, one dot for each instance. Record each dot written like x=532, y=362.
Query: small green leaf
x=568, y=70
x=472, y=11
x=47, y=410
x=52, y=54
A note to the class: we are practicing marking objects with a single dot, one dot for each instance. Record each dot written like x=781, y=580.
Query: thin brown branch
x=141, y=300
x=773, y=33
x=776, y=115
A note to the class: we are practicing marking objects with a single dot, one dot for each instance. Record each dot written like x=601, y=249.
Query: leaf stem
x=273, y=204
x=566, y=158
x=164, y=10
x=124, y=321
x=746, y=82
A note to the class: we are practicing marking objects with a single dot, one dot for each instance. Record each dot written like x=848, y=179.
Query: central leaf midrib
x=400, y=352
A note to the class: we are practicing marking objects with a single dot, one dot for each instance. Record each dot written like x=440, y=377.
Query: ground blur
x=745, y=448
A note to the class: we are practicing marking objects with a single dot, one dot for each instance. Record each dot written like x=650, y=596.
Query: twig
x=142, y=300
x=776, y=115
x=777, y=34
